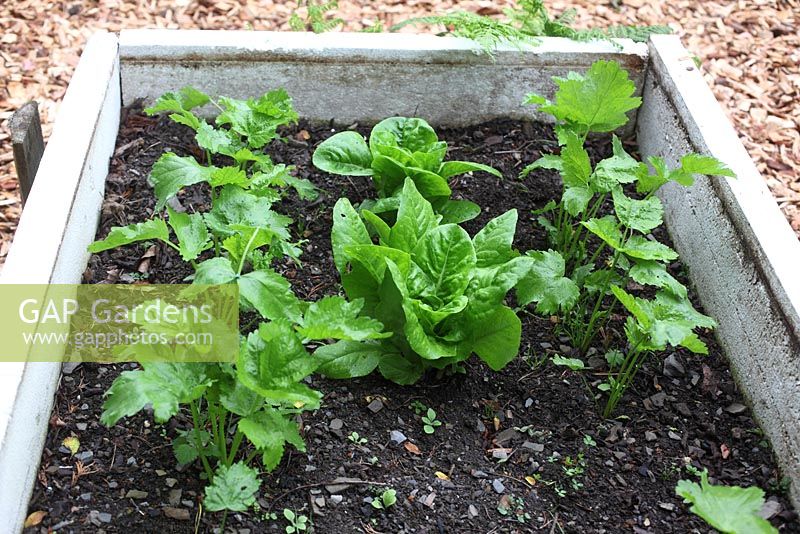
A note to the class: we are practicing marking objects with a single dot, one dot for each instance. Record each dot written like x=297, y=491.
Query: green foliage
x=318, y=16
x=233, y=488
x=523, y=24
x=297, y=522
x=597, y=102
x=400, y=148
x=440, y=292
x=385, y=500
x=430, y=422
x=729, y=509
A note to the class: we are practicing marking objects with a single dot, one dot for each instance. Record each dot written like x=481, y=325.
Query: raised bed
x=739, y=251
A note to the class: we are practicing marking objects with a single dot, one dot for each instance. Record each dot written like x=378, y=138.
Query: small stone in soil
x=86, y=496
x=473, y=512
x=667, y=506
x=336, y=424
x=673, y=435
x=337, y=499
x=535, y=447
x=175, y=496
x=428, y=500
x=181, y=514
x=397, y=436
x=81, y=426
x=673, y=368
x=136, y=494
x=735, y=408
x=477, y=473
x=650, y=436
x=170, y=482
x=497, y=486
x=375, y=406
x=160, y=472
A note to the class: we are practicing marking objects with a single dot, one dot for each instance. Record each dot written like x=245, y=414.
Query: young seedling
x=355, y=438
x=385, y=499
x=513, y=506
x=297, y=522
x=430, y=423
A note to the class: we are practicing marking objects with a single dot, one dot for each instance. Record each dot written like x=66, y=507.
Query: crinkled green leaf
x=412, y=134
x=574, y=364
x=497, y=341
x=400, y=369
x=125, y=235
x=268, y=430
x=607, y=229
x=457, y=211
x=191, y=232
x=273, y=361
x=576, y=170
x=547, y=285
x=640, y=247
x=335, y=318
x=447, y=256
x=257, y=119
x=653, y=273
x=348, y=230
x=453, y=168
x=216, y=140
x=165, y=386
x=642, y=215
x=415, y=218
x=240, y=400
x=729, y=509
x=181, y=104
x=595, y=102
x=214, y=271
x=232, y=488
x=171, y=173
x=493, y=243
x=270, y=294
x=228, y=175
x=344, y=153
x=245, y=239
x=235, y=206
x=349, y=359
x=373, y=259
x=620, y=168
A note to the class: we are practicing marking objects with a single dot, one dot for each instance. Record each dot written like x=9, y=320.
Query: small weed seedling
x=729, y=509
x=430, y=422
x=385, y=499
x=418, y=407
x=355, y=438
x=514, y=507
x=297, y=522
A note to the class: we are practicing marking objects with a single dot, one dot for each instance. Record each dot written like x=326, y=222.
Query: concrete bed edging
x=57, y=224
x=353, y=77
x=676, y=103
x=741, y=253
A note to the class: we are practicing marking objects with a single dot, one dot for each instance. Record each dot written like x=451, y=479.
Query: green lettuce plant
x=400, y=148
x=603, y=254
x=439, y=291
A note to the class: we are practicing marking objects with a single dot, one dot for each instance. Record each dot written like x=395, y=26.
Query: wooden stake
x=28, y=143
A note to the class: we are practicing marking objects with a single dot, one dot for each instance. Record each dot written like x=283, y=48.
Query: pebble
x=736, y=408
x=497, y=486
x=477, y=473
x=337, y=499
x=160, y=472
x=170, y=482
x=397, y=436
x=535, y=447
x=528, y=402
x=650, y=436
x=428, y=500
x=320, y=501
x=667, y=506
x=136, y=494
x=181, y=514
x=113, y=485
x=480, y=427
x=175, y=497
x=473, y=512
x=336, y=424
x=673, y=435
x=84, y=456
x=673, y=368
x=86, y=497
x=375, y=406
x=81, y=426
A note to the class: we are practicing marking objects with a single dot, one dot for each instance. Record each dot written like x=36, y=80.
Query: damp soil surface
x=521, y=450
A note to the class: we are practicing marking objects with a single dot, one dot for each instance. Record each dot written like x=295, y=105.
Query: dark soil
x=528, y=439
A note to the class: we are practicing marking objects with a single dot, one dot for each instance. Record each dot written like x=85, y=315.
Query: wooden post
x=28, y=143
